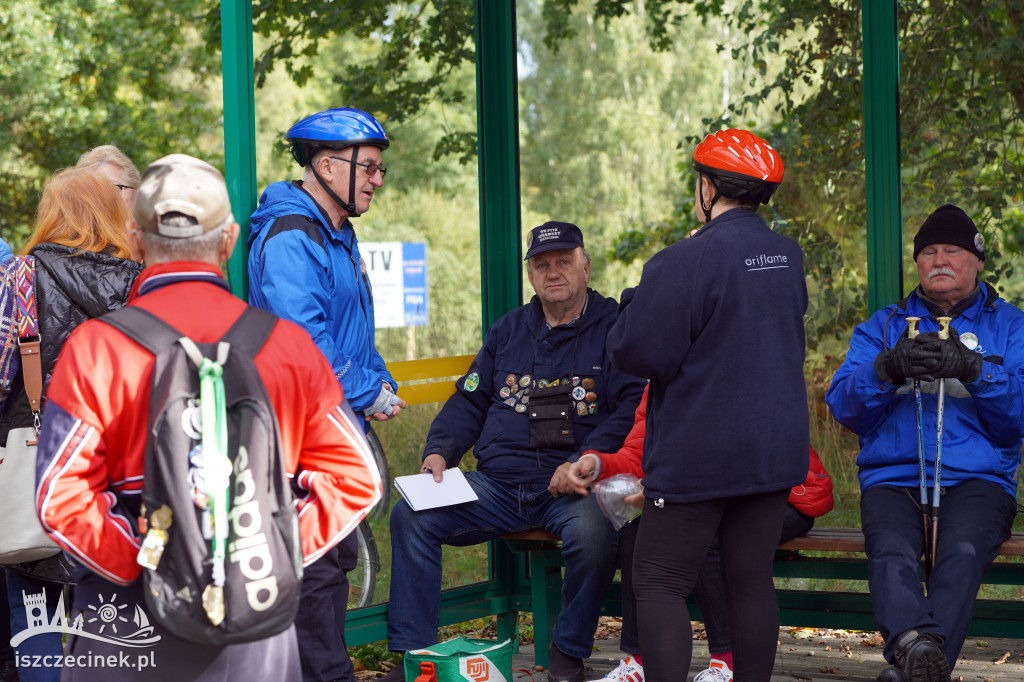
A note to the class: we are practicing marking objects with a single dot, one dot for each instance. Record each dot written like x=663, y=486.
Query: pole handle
x=912, y=330
x=944, y=327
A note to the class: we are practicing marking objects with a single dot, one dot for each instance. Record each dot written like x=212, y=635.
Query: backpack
x=208, y=582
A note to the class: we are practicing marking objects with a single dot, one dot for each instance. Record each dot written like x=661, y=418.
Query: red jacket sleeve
x=324, y=444
x=77, y=485
x=627, y=459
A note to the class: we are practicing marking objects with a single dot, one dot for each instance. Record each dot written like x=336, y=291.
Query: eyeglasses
x=121, y=188
x=371, y=168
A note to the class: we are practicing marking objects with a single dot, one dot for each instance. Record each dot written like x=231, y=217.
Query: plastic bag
x=610, y=493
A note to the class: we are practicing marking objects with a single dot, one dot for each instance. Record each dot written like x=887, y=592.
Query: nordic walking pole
x=912, y=332
x=943, y=334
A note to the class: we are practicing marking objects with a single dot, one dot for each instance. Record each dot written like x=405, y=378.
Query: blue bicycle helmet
x=338, y=128
x=334, y=129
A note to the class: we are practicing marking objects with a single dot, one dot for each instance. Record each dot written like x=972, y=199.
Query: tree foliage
x=78, y=73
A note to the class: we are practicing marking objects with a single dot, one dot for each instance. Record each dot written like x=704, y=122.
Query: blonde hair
x=83, y=210
x=108, y=153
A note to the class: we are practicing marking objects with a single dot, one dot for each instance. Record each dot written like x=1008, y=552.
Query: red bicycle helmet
x=740, y=164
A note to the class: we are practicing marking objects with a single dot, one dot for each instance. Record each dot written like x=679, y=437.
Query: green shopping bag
x=464, y=660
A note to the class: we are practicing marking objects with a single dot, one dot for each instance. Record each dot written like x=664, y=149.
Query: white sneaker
x=627, y=671
x=717, y=672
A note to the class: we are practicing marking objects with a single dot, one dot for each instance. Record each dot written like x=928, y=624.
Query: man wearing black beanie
x=873, y=394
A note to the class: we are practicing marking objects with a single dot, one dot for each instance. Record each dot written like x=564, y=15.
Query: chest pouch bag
x=221, y=554
x=551, y=417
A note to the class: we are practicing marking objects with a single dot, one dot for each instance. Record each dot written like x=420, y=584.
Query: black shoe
x=396, y=674
x=562, y=668
x=921, y=657
x=891, y=674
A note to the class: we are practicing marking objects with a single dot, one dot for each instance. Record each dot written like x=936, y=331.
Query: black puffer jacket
x=71, y=287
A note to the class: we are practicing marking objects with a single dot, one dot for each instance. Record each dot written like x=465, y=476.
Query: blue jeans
x=588, y=547
x=320, y=622
x=975, y=519
x=43, y=644
x=710, y=588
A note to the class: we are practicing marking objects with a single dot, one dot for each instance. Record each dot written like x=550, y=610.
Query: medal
x=161, y=518
x=510, y=380
x=524, y=381
x=213, y=603
x=152, y=548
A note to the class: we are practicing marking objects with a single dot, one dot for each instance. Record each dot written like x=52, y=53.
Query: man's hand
x=581, y=474
x=386, y=406
x=560, y=483
x=395, y=409
x=434, y=464
x=910, y=358
x=956, y=361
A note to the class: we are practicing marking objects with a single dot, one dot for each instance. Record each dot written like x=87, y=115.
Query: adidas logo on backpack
x=221, y=550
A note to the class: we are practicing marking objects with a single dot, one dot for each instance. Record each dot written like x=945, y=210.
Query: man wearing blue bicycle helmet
x=305, y=266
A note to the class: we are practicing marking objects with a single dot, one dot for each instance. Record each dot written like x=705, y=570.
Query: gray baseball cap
x=181, y=196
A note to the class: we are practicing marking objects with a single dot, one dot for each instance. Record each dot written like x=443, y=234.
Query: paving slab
x=816, y=654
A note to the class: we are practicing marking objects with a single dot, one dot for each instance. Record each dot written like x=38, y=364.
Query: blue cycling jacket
x=983, y=420
x=489, y=411
x=302, y=270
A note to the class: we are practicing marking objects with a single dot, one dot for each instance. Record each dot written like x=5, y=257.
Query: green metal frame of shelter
x=500, y=229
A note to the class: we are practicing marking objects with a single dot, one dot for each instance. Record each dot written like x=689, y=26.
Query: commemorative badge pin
x=524, y=380
x=472, y=381
x=588, y=383
x=510, y=380
x=578, y=393
x=505, y=392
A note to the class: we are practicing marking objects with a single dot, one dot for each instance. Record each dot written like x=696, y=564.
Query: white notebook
x=422, y=492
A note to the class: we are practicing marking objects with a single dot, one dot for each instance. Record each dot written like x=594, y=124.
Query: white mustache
x=941, y=271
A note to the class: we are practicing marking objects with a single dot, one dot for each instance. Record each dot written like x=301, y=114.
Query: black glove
x=956, y=361
x=909, y=358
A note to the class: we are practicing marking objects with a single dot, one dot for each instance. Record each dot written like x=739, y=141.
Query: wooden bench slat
x=817, y=540
x=852, y=540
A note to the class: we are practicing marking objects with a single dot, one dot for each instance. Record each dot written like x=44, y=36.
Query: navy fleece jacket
x=716, y=324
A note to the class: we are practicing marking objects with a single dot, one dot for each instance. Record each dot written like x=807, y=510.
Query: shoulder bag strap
x=28, y=333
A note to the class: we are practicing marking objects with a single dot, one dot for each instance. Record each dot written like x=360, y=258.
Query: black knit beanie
x=948, y=224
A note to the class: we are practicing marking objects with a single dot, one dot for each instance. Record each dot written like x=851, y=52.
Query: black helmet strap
x=350, y=205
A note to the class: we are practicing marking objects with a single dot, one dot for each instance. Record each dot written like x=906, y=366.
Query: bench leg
x=508, y=628
x=546, y=594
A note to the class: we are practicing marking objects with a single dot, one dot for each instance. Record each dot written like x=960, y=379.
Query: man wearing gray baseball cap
x=94, y=444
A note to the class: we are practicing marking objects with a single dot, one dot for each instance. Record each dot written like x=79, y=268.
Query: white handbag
x=21, y=536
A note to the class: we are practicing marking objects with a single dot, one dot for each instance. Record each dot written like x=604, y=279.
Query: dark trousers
x=710, y=589
x=671, y=546
x=320, y=623
x=975, y=519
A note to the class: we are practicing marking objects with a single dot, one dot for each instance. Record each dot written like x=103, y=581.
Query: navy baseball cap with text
x=552, y=235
